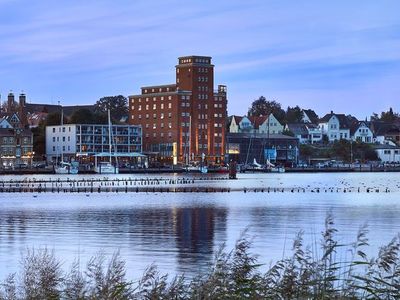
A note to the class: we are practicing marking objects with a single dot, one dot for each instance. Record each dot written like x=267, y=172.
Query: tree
x=288, y=132
x=294, y=114
x=389, y=116
x=85, y=116
x=118, y=106
x=262, y=107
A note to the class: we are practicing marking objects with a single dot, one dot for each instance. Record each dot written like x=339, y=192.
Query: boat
x=270, y=167
x=67, y=168
x=107, y=167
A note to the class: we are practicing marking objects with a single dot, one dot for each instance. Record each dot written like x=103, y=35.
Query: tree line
x=264, y=107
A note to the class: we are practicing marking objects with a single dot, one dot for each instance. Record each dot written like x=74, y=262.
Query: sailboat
x=106, y=167
x=65, y=167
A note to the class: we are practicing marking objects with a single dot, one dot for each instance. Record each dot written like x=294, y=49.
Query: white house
x=261, y=124
x=307, y=133
x=234, y=122
x=361, y=132
x=270, y=125
x=335, y=126
x=388, y=153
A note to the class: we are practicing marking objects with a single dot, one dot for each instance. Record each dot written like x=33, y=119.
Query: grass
x=310, y=272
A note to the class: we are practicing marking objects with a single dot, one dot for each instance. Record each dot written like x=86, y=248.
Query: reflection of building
x=184, y=120
x=195, y=234
x=16, y=141
x=245, y=147
x=88, y=139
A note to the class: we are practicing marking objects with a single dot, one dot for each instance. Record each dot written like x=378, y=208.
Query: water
x=181, y=232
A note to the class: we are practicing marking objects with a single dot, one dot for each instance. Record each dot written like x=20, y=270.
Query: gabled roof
x=355, y=125
x=297, y=128
x=257, y=121
x=344, y=121
x=381, y=128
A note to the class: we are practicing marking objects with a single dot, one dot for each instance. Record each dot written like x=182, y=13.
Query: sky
x=325, y=55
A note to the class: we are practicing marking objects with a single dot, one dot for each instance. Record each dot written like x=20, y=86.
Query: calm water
x=181, y=232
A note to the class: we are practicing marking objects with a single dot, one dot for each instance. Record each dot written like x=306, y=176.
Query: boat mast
x=190, y=138
x=109, y=134
x=62, y=124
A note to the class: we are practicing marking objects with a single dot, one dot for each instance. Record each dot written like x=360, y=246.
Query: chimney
x=10, y=102
x=331, y=112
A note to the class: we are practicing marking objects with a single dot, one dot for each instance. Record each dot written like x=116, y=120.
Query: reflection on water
x=181, y=232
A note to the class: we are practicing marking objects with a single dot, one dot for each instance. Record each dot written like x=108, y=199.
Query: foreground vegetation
x=309, y=273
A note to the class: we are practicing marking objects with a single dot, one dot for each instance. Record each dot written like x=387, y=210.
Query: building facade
x=16, y=141
x=184, y=121
x=260, y=124
x=244, y=148
x=388, y=153
x=335, y=126
x=86, y=140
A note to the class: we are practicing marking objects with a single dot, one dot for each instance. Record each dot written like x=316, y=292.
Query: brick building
x=185, y=120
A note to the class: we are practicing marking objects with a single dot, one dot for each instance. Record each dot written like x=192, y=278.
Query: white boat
x=66, y=168
x=106, y=167
x=63, y=168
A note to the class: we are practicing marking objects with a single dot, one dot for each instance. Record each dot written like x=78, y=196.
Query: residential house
x=255, y=124
x=336, y=126
x=360, y=131
x=385, y=131
x=307, y=133
x=388, y=153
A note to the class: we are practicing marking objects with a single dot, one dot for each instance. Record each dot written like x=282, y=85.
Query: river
x=180, y=232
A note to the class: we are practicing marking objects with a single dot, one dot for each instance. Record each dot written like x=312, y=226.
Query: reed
x=310, y=272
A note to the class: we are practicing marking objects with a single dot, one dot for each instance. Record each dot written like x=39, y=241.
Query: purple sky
x=327, y=55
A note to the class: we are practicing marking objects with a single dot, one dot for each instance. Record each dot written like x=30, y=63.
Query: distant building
x=335, y=126
x=185, y=120
x=16, y=142
x=260, y=124
x=361, y=132
x=86, y=140
x=245, y=147
x=388, y=153
x=307, y=133
x=384, y=132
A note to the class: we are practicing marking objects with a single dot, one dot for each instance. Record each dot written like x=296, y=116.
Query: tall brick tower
x=185, y=120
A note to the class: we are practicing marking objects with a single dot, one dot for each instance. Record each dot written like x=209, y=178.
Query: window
x=63, y=139
x=162, y=115
x=169, y=115
x=169, y=105
x=154, y=106
x=154, y=126
x=54, y=148
x=147, y=125
x=147, y=116
x=154, y=116
x=54, y=138
x=140, y=107
x=162, y=105
x=147, y=107
x=170, y=125
x=63, y=129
